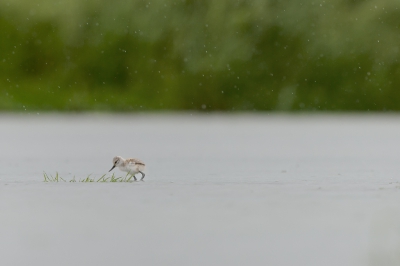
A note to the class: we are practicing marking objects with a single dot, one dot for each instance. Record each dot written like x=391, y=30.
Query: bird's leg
x=134, y=177
x=143, y=175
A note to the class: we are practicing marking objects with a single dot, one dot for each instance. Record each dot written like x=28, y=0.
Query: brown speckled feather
x=134, y=161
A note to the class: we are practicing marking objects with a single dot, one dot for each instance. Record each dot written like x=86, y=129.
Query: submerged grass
x=89, y=179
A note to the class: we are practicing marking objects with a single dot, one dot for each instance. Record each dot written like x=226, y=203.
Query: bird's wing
x=134, y=161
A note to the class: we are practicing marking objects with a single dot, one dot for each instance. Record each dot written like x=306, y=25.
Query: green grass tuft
x=89, y=179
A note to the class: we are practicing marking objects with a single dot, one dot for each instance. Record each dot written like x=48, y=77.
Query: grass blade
x=102, y=179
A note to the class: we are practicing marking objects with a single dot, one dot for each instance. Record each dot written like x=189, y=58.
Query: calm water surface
x=220, y=190
x=215, y=148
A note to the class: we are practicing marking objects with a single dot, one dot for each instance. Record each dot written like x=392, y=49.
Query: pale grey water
x=220, y=190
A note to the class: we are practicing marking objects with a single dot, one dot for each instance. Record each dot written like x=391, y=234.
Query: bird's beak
x=112, y=168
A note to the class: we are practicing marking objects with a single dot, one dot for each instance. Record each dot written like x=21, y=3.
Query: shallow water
x=219, y=190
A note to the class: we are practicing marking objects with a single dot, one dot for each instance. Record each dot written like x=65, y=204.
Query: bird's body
x=131, y=166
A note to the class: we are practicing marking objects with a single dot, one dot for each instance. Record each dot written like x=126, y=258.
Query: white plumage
x=131, y=166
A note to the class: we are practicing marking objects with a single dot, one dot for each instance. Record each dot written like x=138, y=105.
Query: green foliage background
x=206, y=55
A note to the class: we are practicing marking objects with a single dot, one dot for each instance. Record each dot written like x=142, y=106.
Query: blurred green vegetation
x=199, y=55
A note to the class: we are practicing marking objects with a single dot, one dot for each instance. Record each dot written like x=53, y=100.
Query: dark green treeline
x=199, y=55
